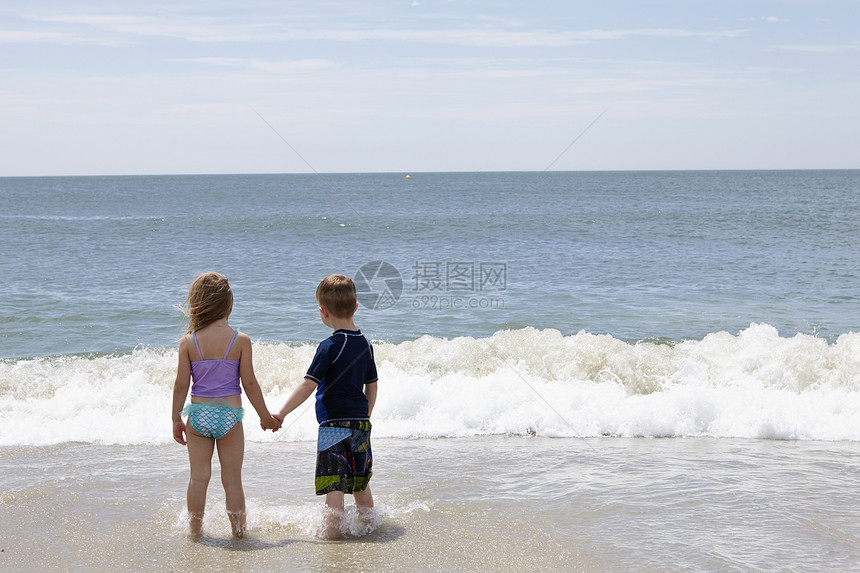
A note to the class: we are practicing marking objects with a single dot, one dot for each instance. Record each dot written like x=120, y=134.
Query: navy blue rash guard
x=341, y=367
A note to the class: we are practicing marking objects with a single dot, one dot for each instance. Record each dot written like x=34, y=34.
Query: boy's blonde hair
x=337, y=294
x=210, y=298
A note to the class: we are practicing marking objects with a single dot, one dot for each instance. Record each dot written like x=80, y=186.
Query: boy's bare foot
x=330, y=529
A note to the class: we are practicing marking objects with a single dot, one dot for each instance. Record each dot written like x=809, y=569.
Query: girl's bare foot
x=195, y=524
x=237, y=523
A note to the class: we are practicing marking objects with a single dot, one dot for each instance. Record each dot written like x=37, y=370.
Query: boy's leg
x=333, y=515
x=231, y=454
x=363, y=467
x=364, y=501
x=200, y=450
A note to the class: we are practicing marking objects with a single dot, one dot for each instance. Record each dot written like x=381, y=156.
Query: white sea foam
x=304, y=519
x=753, y=384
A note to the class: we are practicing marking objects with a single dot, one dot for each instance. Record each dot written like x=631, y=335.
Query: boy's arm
x=300, y=393
x=180, y=391
x=370, y=393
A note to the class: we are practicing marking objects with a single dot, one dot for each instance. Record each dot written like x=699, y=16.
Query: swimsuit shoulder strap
x=232, y=340
x=196, y=345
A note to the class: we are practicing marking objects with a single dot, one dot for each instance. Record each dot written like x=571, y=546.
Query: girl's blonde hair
x=210, y=298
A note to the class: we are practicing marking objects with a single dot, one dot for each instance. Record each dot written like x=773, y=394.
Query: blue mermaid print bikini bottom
x=212, y=420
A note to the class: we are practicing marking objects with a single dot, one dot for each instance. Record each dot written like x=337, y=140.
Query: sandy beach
x=476, y=504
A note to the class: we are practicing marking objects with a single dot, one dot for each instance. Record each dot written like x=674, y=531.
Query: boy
x=343, y=374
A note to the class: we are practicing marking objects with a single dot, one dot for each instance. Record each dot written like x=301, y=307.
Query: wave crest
x=754, y=384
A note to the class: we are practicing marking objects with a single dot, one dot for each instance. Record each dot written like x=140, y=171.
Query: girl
x=216, y=357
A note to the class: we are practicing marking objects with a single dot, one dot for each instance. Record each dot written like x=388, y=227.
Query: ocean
x=579, y=371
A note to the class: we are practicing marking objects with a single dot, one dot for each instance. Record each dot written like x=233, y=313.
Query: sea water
x=98, y=264
x=536, y=333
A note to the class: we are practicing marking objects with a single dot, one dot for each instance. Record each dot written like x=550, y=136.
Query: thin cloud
x=62, y=38
x=820, y=48
x=485, y=37
x=255, y=64
x=191, y=30
x=214, y=30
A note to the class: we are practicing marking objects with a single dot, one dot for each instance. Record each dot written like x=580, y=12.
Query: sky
x=176, y=87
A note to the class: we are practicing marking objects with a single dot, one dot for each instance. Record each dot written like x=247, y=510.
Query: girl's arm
x=300, y=393
x=180, y=390
x=250, y=384
x=370, y=393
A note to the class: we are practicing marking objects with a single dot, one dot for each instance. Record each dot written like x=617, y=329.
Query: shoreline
x=478, y=504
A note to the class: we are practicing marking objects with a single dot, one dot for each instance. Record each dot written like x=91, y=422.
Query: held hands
x=273, y=423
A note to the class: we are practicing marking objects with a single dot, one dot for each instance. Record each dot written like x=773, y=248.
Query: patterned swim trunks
x=344, y=459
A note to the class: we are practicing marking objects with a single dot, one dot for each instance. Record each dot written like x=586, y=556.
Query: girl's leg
x=333, y=515
x=200, y=450
x=231, y=454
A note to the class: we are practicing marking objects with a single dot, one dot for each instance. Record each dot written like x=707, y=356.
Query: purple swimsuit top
x=215, y=378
